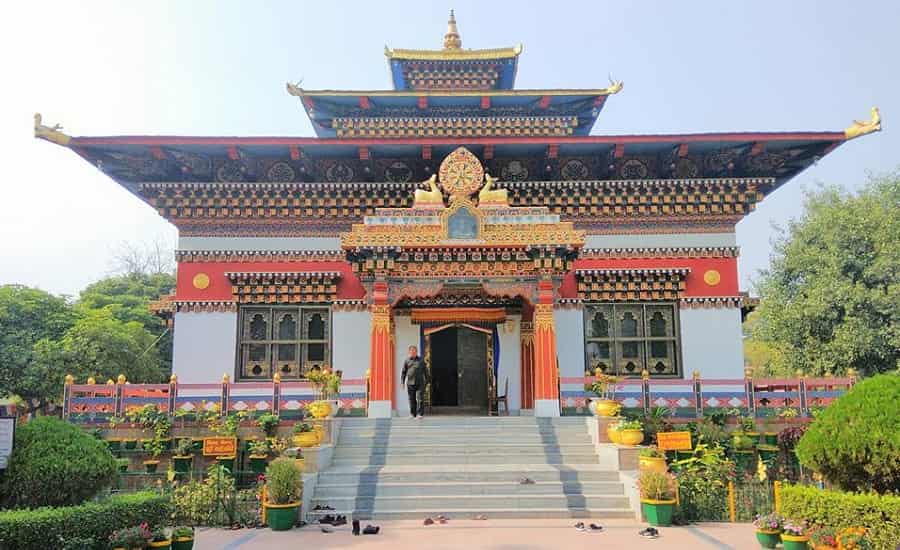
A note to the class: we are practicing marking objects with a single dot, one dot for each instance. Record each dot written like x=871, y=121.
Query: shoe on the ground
x=526, y=481
x=339, y=520
x=371, y=530
x=356, y=527
x=579, y=526
x=596, y=528
x=481, y=517
x=442, y=521
x=440, y=517
x=326, y=528
x=649, y=533
x=428, y=521
x=327, y=519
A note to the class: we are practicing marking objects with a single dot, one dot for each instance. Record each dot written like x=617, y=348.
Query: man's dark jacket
x=414, y=372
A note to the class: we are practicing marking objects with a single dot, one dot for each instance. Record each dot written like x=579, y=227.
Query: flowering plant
x=853, y=538
x=795, y=528
x=824, y=537
x=131, y=537
x=769, y=522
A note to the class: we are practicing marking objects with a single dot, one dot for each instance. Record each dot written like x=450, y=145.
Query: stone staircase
x=464, y=466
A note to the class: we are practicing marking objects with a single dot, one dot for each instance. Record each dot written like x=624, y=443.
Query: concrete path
x=499, y=534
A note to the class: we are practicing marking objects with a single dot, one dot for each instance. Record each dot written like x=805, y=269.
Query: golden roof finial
x=861, y=128
x=452, y=41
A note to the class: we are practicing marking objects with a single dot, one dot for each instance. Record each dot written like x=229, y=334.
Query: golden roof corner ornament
x=452, y=40
x=615, y=86
x=295, y=89
x=431, y=198
x=861, y=128
x=50, y=133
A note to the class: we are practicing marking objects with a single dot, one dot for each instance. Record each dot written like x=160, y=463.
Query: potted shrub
x=652, y=459
x=794, y=535
x=184, y=451
x=259, y=453
x=605, y=405
x=304, y=435
x=768, y=453
x=320, y=409
x=657, y=497
x=768, y=529
x=131, y=538
x=160, y=539
x=269, y=423
x=130, y=444
x=853, y=538
x=183, y=538
x=284, y=486
x=743, y=451
x=631, y=432
x=824, y=538
x=114, y=444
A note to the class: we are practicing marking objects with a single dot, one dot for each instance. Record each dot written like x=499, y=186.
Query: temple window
x=624, y=339
x=288, y=340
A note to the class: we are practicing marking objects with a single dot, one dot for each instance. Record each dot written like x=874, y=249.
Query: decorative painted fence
x=98, y=402
x=693, y=397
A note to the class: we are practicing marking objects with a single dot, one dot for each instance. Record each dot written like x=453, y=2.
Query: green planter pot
x=114, y=444
x=754, y=437
x=197, y=444
x=162, y=545
x=123, y=468
x=658, y=512
x=227, y=461
x=182, y=464
x=183, y=544
x=151, y=465
x=768, y=454
x=745, y=460
x=770, y=438
x=282, y=517
x=768, y=539
x=791, y=542
x=130, y=444
x=167, y=444
x=258, y=464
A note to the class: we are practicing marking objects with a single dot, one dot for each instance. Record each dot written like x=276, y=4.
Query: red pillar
x=381, y=362
x=546, y=375
x=527, y=354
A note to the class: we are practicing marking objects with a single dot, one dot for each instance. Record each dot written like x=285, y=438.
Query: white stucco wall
x=510, y=363
x=711, y=342
x=350, y=342
x=663, y=240
x=570, y=341
x=406, y=334
x=203, y=346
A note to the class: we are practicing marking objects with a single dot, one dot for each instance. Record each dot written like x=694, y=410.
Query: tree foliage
x=855, y=443
x=831, y=299
x=55, y=463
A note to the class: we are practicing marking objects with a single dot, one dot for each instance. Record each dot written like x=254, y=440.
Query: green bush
x=855, y=443
x=879, y=514
x=35, y=529
x=55, y=464
x=284, y=481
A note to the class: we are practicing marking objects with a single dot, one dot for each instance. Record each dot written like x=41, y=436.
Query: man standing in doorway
x=415, y=377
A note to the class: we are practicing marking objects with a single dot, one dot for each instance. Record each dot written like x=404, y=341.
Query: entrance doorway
x=459, y=371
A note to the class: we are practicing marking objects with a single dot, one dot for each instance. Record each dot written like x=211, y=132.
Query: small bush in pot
x=795, y=535
x=652, y=459
x=768, y=529
x=259, y=453
x=284, y=487
x=657, y=497
x=184, y=450
x=269, y=423
x=631, y=432
x=182, y=538
x=160, y=539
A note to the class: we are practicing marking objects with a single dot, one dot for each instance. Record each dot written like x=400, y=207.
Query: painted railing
x=695, y=396
x=93, y=402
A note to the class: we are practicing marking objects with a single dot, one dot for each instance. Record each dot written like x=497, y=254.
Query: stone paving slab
x=490, y=534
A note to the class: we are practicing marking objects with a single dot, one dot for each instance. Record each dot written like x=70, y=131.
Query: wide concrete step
x=514, y=501
x=471, y=488
x=466, y=473
x=458, y=459
x=480, y=420
x=428, y=450
x=491, y=513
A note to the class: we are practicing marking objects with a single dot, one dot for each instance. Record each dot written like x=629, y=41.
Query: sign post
x=7, y=436
x=674, y=441
x=220, y=446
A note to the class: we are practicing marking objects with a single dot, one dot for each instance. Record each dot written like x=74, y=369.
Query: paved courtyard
x=492, y=534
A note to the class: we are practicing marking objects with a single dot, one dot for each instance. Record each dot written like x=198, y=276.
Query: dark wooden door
x=471, y=367
x=444, y=379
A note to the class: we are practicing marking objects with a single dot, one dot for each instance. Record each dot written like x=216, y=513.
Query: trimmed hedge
x=879, y=514
x=54, y=463
x=43, y=528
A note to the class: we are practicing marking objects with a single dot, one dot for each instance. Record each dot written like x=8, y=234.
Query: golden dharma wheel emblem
x=461, y=173
x=201, y=281
x=712, y=277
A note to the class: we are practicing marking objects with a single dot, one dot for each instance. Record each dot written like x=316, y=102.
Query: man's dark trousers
x=416, y=400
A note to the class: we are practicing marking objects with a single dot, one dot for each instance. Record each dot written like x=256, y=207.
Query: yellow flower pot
x=631, y=437
x=319, y=430
x=306, y=439
x=613, y=434
x=606, y=407
x=652, y=464
x=160, y=544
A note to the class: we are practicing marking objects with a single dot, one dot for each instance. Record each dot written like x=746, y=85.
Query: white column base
x=380, y=409
x=546, y=407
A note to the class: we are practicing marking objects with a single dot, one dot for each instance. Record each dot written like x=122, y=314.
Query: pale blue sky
x=219, y=68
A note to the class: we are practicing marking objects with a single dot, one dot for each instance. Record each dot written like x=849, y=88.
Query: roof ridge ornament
x=50, y=133
x=452, y=40
x=295, y=89
x=861, y=128
x=615, y=86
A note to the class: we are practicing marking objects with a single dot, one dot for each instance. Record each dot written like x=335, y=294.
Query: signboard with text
x=674, y=441
x=220, y=446
x=7, y=435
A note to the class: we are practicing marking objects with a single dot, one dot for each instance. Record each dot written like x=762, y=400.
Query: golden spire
x=452, y=41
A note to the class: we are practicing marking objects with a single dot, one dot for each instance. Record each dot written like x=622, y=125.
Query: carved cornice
x=390, y=127
x=710, y=302
x=620, y=285
x=199, y=256
x=301, y=287
x=666, y=252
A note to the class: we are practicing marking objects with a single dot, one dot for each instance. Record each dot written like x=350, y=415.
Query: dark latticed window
x=624, y=339
x=287, y=340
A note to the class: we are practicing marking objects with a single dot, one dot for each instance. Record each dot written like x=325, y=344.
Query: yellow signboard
x=220, y=446
x=674, y=441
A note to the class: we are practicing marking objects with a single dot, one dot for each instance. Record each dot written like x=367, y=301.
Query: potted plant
x=612, y=431
x=160, y=539
x=114, y=444
x=226, y=462
x=657, y=497
x=304, y=435
x=743, y=451
x=768, y=453
x=652, y=459
x=183, y=538
x=631, y=432
x=794, y=535
x=604, y=387
x=130, y=444
x=748, y=428
x=259, y=453
x=768, y=437
x=284, y=486
x=131, y=538
x=269, y=423
x=184, y=451
x=320, y=409
x=122, y=464
x=824, y=538
x=768, y=529
x=853, y=537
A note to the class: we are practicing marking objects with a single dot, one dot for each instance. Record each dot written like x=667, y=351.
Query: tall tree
x=831, y=299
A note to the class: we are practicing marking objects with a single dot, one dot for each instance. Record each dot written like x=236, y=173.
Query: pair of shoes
x=595, y=528
x=339, y=520
x=371, y=530
x=442, y=519
x=526, y=481
x=428, y=521
x=356, y=527
x=649, y=533
x=320, y=507
x=481, y=517
x=335, y=521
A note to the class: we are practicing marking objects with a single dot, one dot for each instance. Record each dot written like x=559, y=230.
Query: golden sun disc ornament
x=712, y=277
x=461, y=173
x=201, y=281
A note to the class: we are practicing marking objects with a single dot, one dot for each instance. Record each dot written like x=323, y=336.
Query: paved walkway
x=491, y=534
